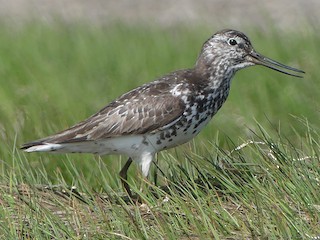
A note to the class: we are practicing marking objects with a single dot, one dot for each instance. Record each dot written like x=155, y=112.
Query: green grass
x=53, y=76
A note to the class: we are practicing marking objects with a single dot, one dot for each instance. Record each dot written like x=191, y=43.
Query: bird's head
x=231, y=50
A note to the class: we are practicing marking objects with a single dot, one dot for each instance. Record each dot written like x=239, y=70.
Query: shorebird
x=166, y=112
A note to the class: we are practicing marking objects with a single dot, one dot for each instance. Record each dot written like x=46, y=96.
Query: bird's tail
x=41, y=147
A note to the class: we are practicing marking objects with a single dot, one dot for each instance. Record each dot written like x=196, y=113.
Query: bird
x=163, y=113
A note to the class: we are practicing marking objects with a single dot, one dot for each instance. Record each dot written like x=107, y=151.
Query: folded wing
x=144, y=109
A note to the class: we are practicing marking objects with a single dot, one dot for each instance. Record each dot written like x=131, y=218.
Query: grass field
x=253, y=173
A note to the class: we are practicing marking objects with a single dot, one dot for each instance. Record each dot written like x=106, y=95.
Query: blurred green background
x=53, y=76
x=62, y=61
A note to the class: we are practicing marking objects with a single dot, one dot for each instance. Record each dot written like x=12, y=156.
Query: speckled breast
x=199, y=111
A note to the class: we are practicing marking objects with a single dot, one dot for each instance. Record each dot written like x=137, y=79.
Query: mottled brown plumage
x=166, y=112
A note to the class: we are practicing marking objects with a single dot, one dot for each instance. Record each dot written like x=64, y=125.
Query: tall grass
x=53, y=76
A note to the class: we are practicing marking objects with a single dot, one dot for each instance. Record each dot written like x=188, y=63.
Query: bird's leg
x=155, y=174
x=124, y=176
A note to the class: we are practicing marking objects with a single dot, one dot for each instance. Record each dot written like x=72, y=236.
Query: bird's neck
x=215, y=71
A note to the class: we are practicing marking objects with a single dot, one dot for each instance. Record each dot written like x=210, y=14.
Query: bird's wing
x=144, y=109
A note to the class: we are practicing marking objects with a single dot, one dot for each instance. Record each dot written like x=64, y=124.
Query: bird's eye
x=232, y=41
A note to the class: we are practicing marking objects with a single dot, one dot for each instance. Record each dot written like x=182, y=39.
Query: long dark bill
x=267, y=62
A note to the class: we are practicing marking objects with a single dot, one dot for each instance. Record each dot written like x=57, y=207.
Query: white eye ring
x=232, y=41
